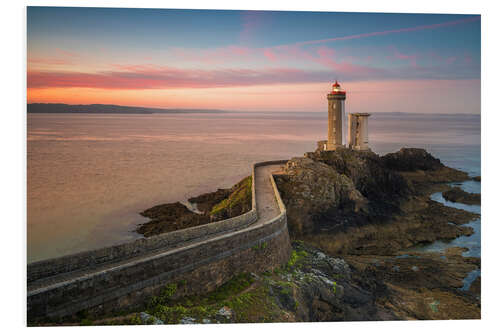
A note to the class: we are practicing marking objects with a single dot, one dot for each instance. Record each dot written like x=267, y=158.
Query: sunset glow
x=248, y=60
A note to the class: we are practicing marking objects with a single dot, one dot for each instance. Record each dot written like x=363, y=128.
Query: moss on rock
x=237, y=203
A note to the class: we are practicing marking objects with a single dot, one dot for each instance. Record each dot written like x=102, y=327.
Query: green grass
x=242, y=194
x=254, y=306
x=171, y=311
x=295, y=258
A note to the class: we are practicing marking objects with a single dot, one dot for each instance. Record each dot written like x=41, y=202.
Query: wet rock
x=206, y=201
x=411, y=159
x=455, y=251
x=477, y=178
x=149, y=319
x=169, y=217
x=456, y=194
x=423, y=286
x=187, y=321
x=225, y=313
x=394, y=233
x=475, y=287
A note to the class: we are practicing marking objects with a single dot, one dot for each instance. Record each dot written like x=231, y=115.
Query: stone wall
x=88, y=259
x=203, y=265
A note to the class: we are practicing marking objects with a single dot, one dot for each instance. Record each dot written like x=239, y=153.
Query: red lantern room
x=336, y=89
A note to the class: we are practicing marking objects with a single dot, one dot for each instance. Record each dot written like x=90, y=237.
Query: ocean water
x=90, y=175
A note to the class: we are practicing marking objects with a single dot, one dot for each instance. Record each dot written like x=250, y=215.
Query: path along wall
x=201, y=266
x=89, y=259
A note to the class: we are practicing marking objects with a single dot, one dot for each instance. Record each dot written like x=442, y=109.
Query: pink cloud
x=450, y=60
x=49, y=61
x=411, y=57
x=157, y=77
x=269, y=54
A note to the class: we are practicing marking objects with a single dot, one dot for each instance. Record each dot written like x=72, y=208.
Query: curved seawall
x=202, y=257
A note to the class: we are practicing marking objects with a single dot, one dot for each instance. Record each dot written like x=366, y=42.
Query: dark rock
x=477, y=178
x=456, y=194
x=170, y=217
x=424, y=286
x=347, y=201
x=475, y=287
x=310, y=188
x=411, y=159
x=215, y=206
x=368, y=173
x=421, y=169
x=206, y=201
x=239, y=201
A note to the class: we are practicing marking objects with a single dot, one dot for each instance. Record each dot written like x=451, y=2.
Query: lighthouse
x=336, y=118
x=356, y=127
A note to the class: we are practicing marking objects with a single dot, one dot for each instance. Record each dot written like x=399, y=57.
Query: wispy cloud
x=161, y=77
x=388, y=32
x=151, y=77
x=252, y=22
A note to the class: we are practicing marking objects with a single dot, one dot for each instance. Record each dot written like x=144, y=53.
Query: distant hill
x=107, y=108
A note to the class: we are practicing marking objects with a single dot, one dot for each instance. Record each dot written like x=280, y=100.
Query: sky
x=254, y=60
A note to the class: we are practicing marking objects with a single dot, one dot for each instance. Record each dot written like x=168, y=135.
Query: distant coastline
x=107, y=109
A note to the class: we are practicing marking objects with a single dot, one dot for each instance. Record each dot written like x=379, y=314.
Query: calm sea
x=90, y=175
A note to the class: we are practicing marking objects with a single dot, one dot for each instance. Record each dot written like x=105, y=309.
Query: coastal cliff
x=381, y=205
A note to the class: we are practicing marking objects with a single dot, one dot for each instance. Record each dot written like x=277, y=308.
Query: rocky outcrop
x=205, y=202
x=420, y=285
x=310, y=188
x=239, y=201
x=456, y=194
x=424, y=222
x=170, y=217
x=411, y=159
x=368, y=172
x=421, y=169
x=383, y=206
x=214, y=206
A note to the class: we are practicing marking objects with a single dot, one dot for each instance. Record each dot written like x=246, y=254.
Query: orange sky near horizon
x=424, y=96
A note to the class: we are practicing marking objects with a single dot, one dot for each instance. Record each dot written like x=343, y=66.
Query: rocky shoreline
x=353, y=217
x=210, y=207
x=456, y=194
x=379, y=212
